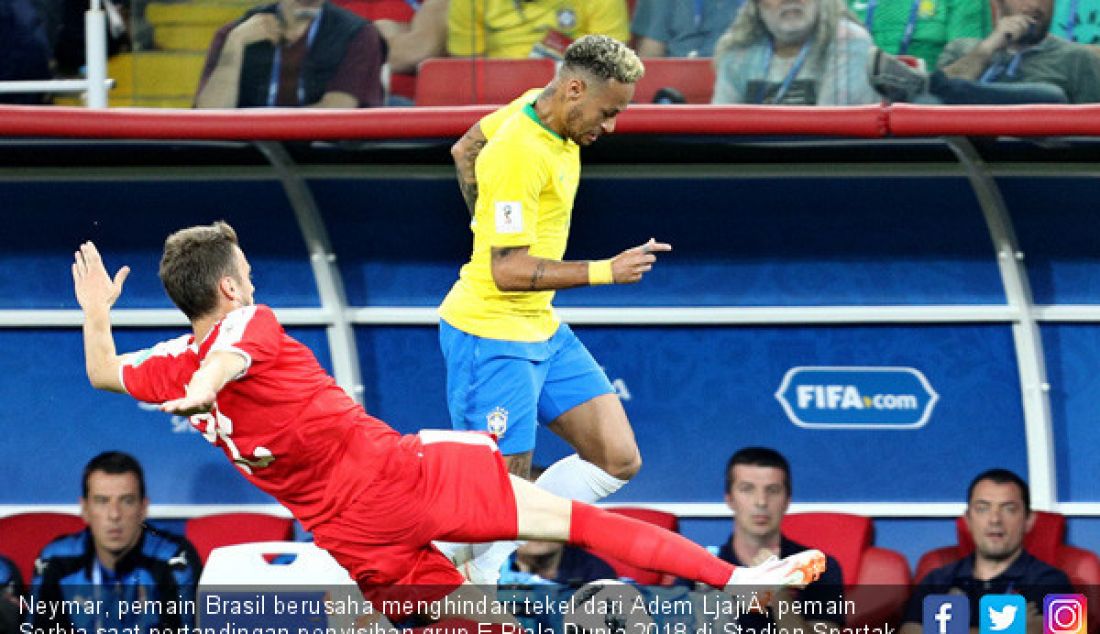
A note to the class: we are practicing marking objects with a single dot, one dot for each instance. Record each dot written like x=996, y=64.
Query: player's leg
x=579, y=402
x=580, y=405
x=492, y=386
x=544, y=516
x=607, y=454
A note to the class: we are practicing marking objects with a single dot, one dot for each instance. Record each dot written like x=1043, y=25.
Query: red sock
x=644, y=545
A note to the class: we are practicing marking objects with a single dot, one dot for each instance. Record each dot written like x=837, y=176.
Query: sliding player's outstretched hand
x=629, y=266
x=194, y=403
x=94, y=287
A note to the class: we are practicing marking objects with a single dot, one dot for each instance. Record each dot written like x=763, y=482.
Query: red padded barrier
x=871, y=121
x=300, y=124
x=910, y=120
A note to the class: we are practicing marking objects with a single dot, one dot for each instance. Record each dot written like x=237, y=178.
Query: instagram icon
x=1065, y=614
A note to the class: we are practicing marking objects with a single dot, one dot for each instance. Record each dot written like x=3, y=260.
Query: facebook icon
x=946, y=614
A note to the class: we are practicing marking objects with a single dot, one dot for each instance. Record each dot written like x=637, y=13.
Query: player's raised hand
x=629, y=266
x=94, y=286
x=196, y=402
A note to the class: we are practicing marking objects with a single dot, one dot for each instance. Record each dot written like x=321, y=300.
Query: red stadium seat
x=23, y=535
x=226, y=529
x=876, y=579
x=455, y=82
x=1046, y=540
x=645, y=577
x=693, y=77
x=396, y=10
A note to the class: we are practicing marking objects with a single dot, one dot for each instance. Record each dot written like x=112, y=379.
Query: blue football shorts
x=508, y=387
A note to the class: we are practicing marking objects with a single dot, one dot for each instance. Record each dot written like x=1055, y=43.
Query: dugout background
x=786, y=253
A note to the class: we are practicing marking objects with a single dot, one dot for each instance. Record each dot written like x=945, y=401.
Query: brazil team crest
x=497, y=421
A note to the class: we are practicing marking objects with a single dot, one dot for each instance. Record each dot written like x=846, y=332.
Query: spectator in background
x=554, y=562
x=794, y=52
x=681, y=28
x=998, y=515
x=11, y=588
x=117, y=557
x=530, y=28
x=557, y=563
x=758, y=491
x=1019, y=62
x=422, y=37
x=921, y=28
x=294, y=53
x=24, y=50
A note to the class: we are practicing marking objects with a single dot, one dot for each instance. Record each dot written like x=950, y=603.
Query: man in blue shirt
x=681, y=28
x=998, y=514
x=758, y=491
x=117, y=559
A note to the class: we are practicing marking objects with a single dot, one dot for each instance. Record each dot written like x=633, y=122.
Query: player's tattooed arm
x=514, y=269
x=465, y=152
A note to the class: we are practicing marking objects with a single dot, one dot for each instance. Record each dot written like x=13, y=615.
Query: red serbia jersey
x=283, y=421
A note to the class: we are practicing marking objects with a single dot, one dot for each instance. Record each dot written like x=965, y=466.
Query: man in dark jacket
x=294, y=53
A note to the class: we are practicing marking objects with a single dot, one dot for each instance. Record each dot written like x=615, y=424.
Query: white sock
x=457, y=552
x=576, y=479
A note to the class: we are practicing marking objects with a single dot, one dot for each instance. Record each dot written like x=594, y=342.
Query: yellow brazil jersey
x=513, y=28
x=527, y=178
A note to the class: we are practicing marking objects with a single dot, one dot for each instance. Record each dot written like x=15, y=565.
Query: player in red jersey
x=373, y=498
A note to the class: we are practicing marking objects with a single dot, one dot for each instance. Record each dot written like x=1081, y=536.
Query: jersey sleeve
x=160, y=373
x=510, y=180
x=252, y=332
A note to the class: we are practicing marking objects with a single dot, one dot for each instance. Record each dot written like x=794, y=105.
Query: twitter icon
x=1002, y=614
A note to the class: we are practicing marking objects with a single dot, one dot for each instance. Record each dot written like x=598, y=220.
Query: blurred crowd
x=365, y=53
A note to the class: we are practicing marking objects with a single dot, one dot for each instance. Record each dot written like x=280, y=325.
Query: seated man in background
x=998, y=515
x=681, y=28
x=412, y=42
x=117, y=558
x=921, y=28
x=530, y=28
x=758, y=491
x=11, y=588
x=555, y=562
x=294, y=53
x=1020, y=62
x=793, y=52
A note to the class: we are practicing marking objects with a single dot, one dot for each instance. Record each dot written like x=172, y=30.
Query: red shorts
x=445, y=485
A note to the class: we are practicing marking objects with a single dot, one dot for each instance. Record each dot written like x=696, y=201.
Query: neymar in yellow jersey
x=511, y=362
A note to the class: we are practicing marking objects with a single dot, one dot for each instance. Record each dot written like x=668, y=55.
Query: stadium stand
x=693, y=77
x=876, y=579
x=1045, y=540
x=227, y=529
x=449, y=82
x=23, y=535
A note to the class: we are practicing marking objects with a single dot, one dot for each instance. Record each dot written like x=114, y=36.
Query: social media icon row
x=1004, y=614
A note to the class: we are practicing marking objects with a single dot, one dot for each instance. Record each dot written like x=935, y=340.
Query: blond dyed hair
x=604, y=57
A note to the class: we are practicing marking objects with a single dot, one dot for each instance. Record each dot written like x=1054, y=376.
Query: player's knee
x=624, y=467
